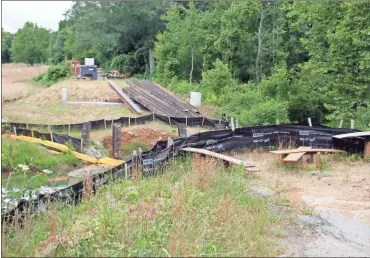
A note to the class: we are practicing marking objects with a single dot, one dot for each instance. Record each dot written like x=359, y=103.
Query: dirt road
x=337, y=201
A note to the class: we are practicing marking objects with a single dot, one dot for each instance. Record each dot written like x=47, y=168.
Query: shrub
x=54, y=74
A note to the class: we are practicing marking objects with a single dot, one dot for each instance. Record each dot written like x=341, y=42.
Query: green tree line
x=256, y=60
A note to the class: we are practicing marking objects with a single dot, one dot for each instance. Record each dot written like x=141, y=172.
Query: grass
x=36, y=158
x=194, y=208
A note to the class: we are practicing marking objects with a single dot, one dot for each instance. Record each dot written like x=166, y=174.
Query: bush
x=265, y=113
x=54, y=74
x=215, y=81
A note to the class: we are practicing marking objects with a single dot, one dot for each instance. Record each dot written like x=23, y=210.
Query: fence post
x=277, y=121
x=341, y=123
x=309, y=122
x=232, y=124
x=186, y=121
x=181, y=130
x=153, y=115
x=352, y=124
x=26, y=126
x=105, y=124
x=202, y=121
x=15, y=130
x=85, y=132
x=116, y=140
x=126, y=172
x=51, y=137
x=82, y=146
x=129, y=121
x=169, y=120
x=69, y=128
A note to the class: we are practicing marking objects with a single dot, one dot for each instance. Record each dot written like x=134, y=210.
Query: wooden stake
x=309, y=122
x=341, y=123
x=126, y=175
x=82, y=144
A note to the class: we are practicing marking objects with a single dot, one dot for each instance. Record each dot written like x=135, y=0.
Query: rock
x=310, y=220
x=261, y=191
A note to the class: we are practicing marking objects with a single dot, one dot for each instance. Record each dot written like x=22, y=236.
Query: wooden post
x=186, y=121
x=236, y=123
x=352, y=124
x=32, y=133
x=85, y=132
x=82, y=146
x=129, y=121
x=105, y=124
x=202, y=121
x=111, y=125
x=135, y=121
x=26, y=126
x=69, y=128
x=153, y=115
x=49, y=128
x=169, y=120
x=181, y=130
x=232, y=124
x=277, y=121
x=367, y=147
x=116, y=140
x=341, y=123
x=126, y=175
x=309, y=122
x=51, y=137
x=15, y=130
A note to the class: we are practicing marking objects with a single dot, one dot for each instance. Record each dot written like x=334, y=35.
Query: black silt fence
x=153, y=160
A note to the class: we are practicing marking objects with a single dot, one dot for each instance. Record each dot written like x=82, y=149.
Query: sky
x=46, y=14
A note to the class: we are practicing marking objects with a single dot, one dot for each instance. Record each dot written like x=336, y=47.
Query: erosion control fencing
x=124, y=121
x=152, y=161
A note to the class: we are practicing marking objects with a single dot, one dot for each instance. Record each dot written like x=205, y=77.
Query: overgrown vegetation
x=29, y=166
x=193, y=209
x=54, y=74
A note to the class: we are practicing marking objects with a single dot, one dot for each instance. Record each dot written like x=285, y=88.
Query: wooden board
x=294, y=157
x=124, y=97
x=351, y=135
x=305, y=150
x=228, y=159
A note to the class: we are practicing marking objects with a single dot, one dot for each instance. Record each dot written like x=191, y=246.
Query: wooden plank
x=305, y=150
x=222, y=157
x=294, y=157
x=124, y=97
x=351, y=135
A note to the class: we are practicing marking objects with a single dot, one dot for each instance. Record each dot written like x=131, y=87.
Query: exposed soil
x=339, y=197
x=140, y=136
x=16, y=79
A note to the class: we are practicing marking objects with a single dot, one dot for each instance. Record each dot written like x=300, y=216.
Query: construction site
x=125, y=128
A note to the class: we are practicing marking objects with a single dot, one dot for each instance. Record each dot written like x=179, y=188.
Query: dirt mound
x=78, y=90
x=144, y=138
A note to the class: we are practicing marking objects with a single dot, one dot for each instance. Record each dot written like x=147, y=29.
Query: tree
x=31, y=44
x=6, y=42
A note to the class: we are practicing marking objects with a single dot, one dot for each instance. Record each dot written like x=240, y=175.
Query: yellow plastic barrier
x=107, y=161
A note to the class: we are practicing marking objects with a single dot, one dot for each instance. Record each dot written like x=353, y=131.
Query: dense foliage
x=31, y=45
x=258, y=61
x=54, y=74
